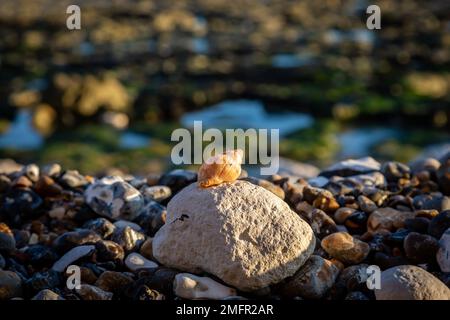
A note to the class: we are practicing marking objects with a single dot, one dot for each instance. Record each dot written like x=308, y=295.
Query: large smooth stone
x=239, y=232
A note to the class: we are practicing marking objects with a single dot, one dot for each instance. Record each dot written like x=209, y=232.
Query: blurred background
x=110, y=94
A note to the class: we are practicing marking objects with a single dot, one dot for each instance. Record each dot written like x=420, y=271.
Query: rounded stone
x=439, y=224
x=420, y=248
x=10, y=285
x=239, y=232
x=443, y=254
x=409, y=282
x=344, y=247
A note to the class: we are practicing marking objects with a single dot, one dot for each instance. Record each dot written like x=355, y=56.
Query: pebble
x=73, y=179
x=72, y=256
x=443, y=254
x=113, y=281
x=135, y=262
x=109, y=251
x=393, y=171
x=443, y=175
x=47, y=294
x=409, y=282
x=52, y=170
x=144, y=293
x=189, y=286
x=40, y=256
x=7, y=240
x=313, y=280
x=2, y=262
x=32, y=172
x=356, y=222
x=147, y=249
x=151, y=218
x=420, y=248
x=439, y=224
x=87, y=275
x=342, y=214
x=264, y=248
x=129, y=239
x=276, y=190
x=101, y=226
x=351, y=167
x=178, y=179
x=10, y=285
x=114, y=198
x=5, y=183
x=344, y=247
x=57, y=213
x=326, y=203
x=418, y=224
x=156, y=193
x=44, y=280
x=356, y=295
x=22, y=182
x=123, y=223
x=47, y=187
x=387, y=219
x=366, y=205
x=20, y=203
x=321, y=223
x=72, y=239
x=90, y=292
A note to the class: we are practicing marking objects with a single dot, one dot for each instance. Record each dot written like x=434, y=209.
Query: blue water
x=21, y=135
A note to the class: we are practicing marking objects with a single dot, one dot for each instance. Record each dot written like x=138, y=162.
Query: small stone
x=135, y=262
x=276, y=190
x=156, y=193
x=40, y=256
x=439, y=224
x=47, y=187
x=123, y=223
x=313, y=279
x=178, y=179
x=342, y=214
x=52, y=170
x=72, y=256
x=138, y=183
x=161, y=280
x=189, y=286
x=443, y=175
x=393, y=171
x=32, y=172
x=129, y=239
x=2, y=262
x=321, y=223
x=22, y=182
x=443, y=254
x=57, y=213
x=144, y=293
x=109, y=251
x=87, y=275
x=5, y=183
x=409, y=282
x=9, y=166
x=366, y=205
x=248, y=225
x=420, y=248
x=152, y=217
x=47, y=294
x=73, y=179
x=357, y=222
x=113, y=281
x=385, y=261
x=356, y=295
x=147, y=249
x=354, y=278
x=351, y=167
x=101, y=226
x=425, y=164
x=387, y=219
x=327, y=204
x=44, y=280
x=344, y=247
x=114, y=198
x=89, y=292
x=10, y=285
x=20, y=203
x=417, y=224
x=434, y=202
x=73, y=239
x=7, y=240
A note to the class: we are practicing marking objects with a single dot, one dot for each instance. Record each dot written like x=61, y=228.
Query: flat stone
x=189, y=286
x=388, y=219
x=135, y=262
x=351, y=167
x=72, y=256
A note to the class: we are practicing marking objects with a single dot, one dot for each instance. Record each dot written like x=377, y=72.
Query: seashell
x=225, y=167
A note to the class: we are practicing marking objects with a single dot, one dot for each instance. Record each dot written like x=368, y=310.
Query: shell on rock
x=225, y=167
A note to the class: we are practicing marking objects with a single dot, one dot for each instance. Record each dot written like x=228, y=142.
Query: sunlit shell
x=221, y=168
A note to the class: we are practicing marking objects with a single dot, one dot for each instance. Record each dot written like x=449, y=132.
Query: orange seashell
x=221, y=168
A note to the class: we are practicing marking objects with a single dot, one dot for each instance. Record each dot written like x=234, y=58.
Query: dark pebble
x=421, y=248
x=419, y=224
x=72, y=239
x=129, y=239
x=101, y=226
x=178, y=179
x=393, y=171
x=439, y=224
x=151, y=218
x=44, y=280
x=40, y=256
x=109, y=251
x=20, y=203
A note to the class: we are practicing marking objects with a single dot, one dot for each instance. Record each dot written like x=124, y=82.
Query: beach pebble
x=443, y=174
x=313, y=279
x=351, y=167
x=420, y=248
x=439, y=224
x=7, y=240
x=47, y=294
x=151, y=218
x=109, y=251
x=156, y=193
x=72, y=239
x=189, y=286
x=247, y=224
x=90, y=292
x=178, y=179
x=44, y=280
x=344, y=247
x=393, y=171
x=40, y=255
x=10, y=285
x=443, y=254
x=72, y=256
x=114, y=198
x=74, y=179
x=409, y=282
x=129, y=239
x=135, y=262
x=32, y=172
x=387, y=219
x=147, y=249
x=20, y=203
x=113, y=281
x=52, y=170
x=101, y=226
